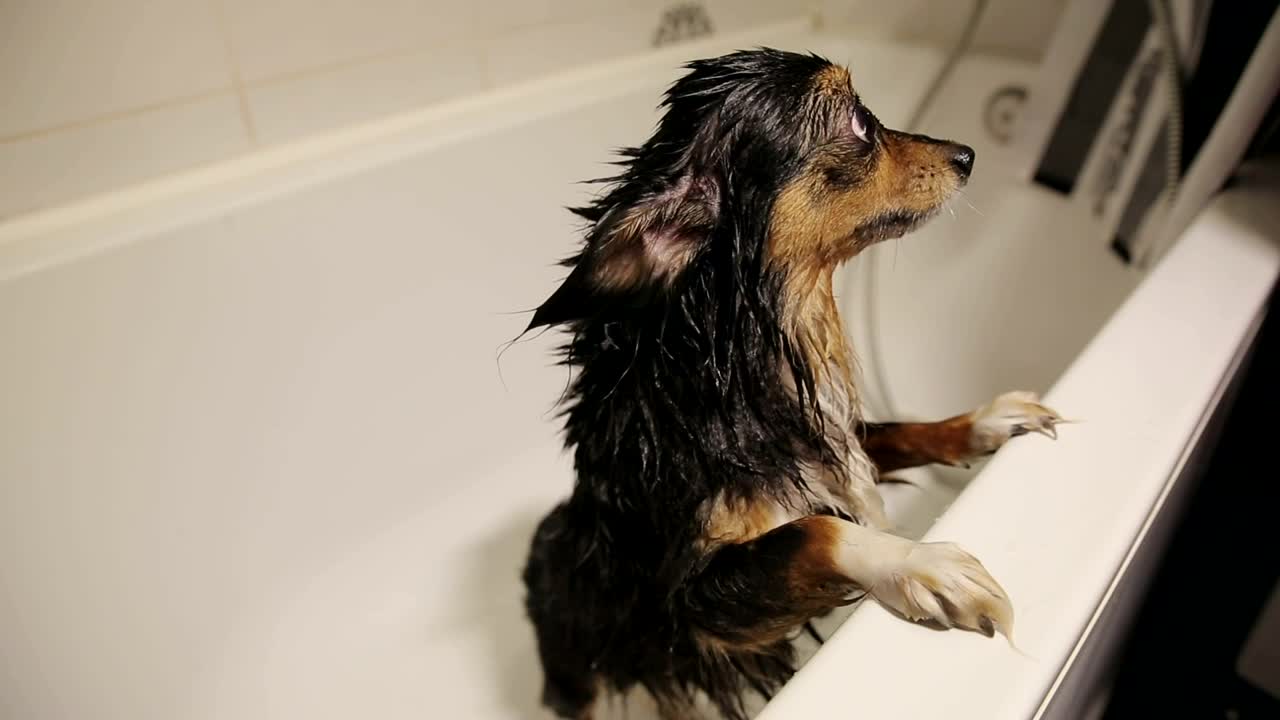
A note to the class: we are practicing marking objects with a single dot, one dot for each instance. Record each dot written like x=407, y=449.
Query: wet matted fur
x=722, y=469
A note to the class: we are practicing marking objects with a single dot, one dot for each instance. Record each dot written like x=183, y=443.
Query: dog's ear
x=635, y=248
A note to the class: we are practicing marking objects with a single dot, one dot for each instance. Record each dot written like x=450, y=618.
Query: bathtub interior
x=271, y=465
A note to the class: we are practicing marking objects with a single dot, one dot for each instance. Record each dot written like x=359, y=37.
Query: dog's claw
x=942, y=585
x=986, y=626
x=1011, y=415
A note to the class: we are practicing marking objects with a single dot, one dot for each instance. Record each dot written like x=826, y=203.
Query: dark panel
x=1150, y=183
x=1092, y=95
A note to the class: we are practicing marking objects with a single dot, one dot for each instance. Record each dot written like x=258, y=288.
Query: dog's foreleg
x=958, y=440
x=936, y=583
x=755, y=593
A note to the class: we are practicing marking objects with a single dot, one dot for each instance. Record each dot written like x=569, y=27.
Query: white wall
x=1016, y=28
x=100, y=94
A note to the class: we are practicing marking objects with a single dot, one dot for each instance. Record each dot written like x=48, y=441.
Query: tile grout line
x=237, y=79
x=352, y=62
x=117, y=115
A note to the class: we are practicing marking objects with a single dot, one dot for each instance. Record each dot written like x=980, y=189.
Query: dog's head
x=764, y=163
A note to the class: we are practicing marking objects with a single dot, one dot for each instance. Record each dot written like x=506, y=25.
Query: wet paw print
x=681, y=23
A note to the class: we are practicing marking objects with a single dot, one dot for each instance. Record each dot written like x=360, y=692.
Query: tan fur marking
x=813, y=319
x=736, y=522
x=902, y=445
x=814, y=586
x=833, y=80
x=814, y=230
x=818, y=558
x=622, y=269
x=814, y=224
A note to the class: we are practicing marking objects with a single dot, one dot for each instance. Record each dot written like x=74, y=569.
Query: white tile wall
x=100, y=93
x=351, y=94
x=542, y=49
x=911, y=20
x=735, y=15
x=270, y=38
x=1019, y=28
x=69, y=61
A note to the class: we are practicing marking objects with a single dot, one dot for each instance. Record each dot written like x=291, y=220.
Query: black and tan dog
x=726, y=484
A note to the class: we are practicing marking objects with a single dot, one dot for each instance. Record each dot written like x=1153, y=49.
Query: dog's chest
x=849, y=489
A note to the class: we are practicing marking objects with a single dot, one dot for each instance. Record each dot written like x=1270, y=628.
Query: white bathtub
x=257, y=460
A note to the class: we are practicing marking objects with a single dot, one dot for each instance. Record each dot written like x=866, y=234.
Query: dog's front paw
x=938, y=583
x=1008, y=416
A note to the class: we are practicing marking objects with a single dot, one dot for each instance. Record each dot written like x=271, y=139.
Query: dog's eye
x=862, y=123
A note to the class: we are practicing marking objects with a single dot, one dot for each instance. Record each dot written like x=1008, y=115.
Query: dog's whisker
x=965, y=197
x=498, y=361
x=508, y=345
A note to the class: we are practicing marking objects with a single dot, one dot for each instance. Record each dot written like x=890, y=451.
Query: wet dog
x=726, y=483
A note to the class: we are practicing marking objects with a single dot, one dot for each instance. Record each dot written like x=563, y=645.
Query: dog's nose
x=962, y=160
